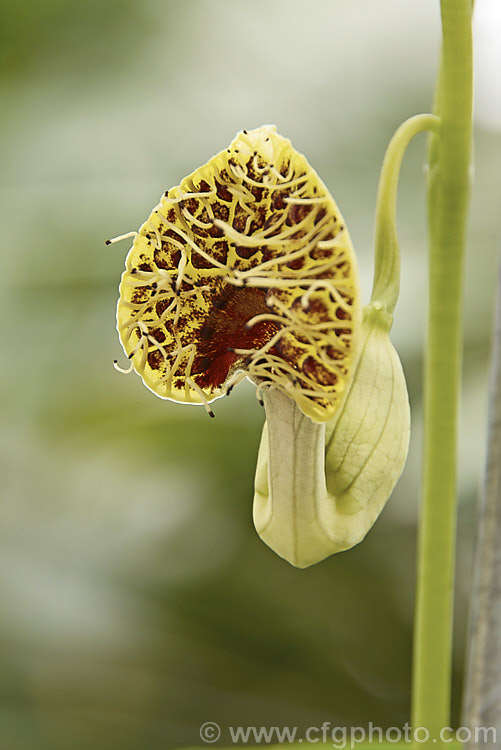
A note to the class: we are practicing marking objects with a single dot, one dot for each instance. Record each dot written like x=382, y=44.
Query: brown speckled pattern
x=246, y=265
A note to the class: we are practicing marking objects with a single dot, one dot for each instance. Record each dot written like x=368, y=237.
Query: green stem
x=386, y=284
x=449, y=188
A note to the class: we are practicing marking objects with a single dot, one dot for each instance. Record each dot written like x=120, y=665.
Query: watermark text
x=340, y=737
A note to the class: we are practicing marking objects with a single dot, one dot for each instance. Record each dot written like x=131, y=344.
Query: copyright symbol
x=210, y=731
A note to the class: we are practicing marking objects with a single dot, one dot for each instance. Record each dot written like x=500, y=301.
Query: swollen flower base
x=320, y=487
x=246, y=269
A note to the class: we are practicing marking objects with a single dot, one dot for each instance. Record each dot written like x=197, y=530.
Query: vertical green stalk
x=449, y=188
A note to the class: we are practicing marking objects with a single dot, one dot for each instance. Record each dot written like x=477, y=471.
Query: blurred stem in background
x=482, y=695
x=448, y=199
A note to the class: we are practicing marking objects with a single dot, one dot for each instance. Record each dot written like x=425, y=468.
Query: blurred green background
x=136, y=599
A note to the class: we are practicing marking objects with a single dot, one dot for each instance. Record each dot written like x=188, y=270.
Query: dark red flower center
x=225, y=330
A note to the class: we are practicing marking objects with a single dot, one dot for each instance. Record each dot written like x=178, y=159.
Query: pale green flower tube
x=320, y=487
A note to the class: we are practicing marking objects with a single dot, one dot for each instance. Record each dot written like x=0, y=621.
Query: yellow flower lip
x=244, y=269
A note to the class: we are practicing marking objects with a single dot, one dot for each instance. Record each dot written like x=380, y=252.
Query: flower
x=244, y=269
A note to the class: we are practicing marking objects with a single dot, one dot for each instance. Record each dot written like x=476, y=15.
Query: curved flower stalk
x=244, y=269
